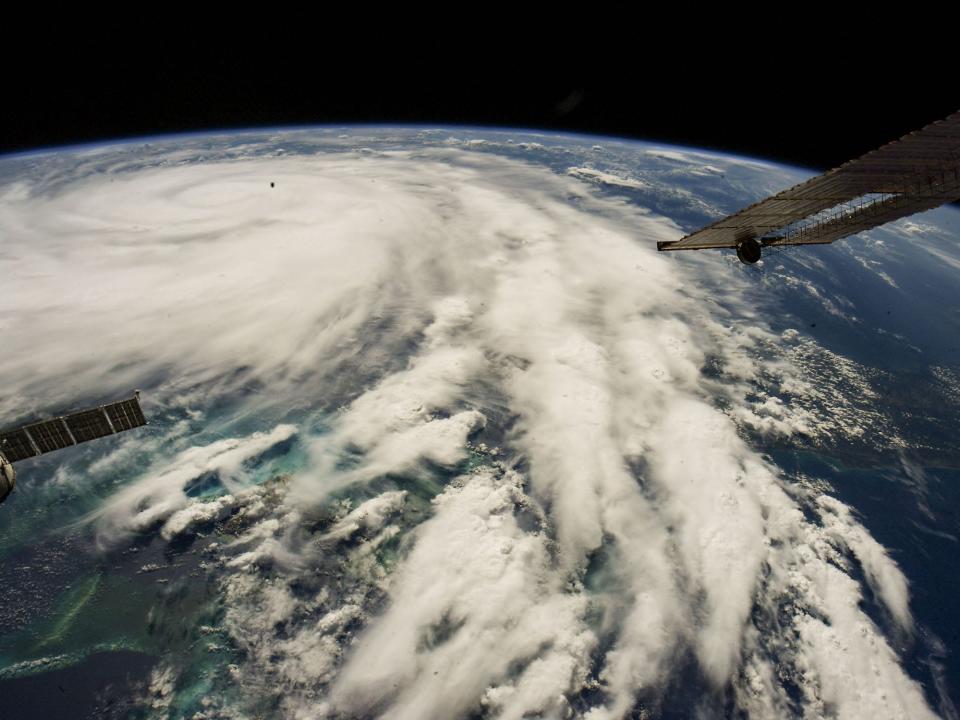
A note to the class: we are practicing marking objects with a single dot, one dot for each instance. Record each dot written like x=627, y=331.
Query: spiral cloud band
x=529, y=485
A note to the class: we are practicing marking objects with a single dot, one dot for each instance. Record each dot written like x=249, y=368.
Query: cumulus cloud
x=161, y=495
x=474, y=597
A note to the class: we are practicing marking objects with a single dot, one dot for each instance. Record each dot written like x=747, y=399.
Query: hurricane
x=435, y=432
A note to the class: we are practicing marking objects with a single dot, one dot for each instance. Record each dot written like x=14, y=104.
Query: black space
x=773, y=105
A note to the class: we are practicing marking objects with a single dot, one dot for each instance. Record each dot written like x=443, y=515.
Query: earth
x=435, y=432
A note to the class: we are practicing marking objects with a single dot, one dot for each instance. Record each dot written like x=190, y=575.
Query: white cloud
x=162, y=493
x=429, y=295
x=604, y=178
x=475, y=596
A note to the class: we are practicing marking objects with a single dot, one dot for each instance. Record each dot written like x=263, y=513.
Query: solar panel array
x=918, y=172
x=61, y=432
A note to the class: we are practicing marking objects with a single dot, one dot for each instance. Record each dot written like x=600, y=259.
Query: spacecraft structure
x=40, y=438
x=918, y=172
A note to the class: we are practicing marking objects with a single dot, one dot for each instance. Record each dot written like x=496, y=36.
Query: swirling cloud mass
x=527, y=485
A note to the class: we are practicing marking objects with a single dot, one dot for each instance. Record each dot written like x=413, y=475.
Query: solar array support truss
x=39, y=438
x=918, y=172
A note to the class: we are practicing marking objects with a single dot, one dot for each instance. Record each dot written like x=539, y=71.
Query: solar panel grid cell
x=88, y=425
x=15, y=446
x=50, y=435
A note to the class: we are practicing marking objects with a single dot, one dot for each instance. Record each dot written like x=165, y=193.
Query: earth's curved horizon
x=435, y=432
x=233, y=132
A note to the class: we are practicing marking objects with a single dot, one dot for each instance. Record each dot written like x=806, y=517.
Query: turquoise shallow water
x=111, y=617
